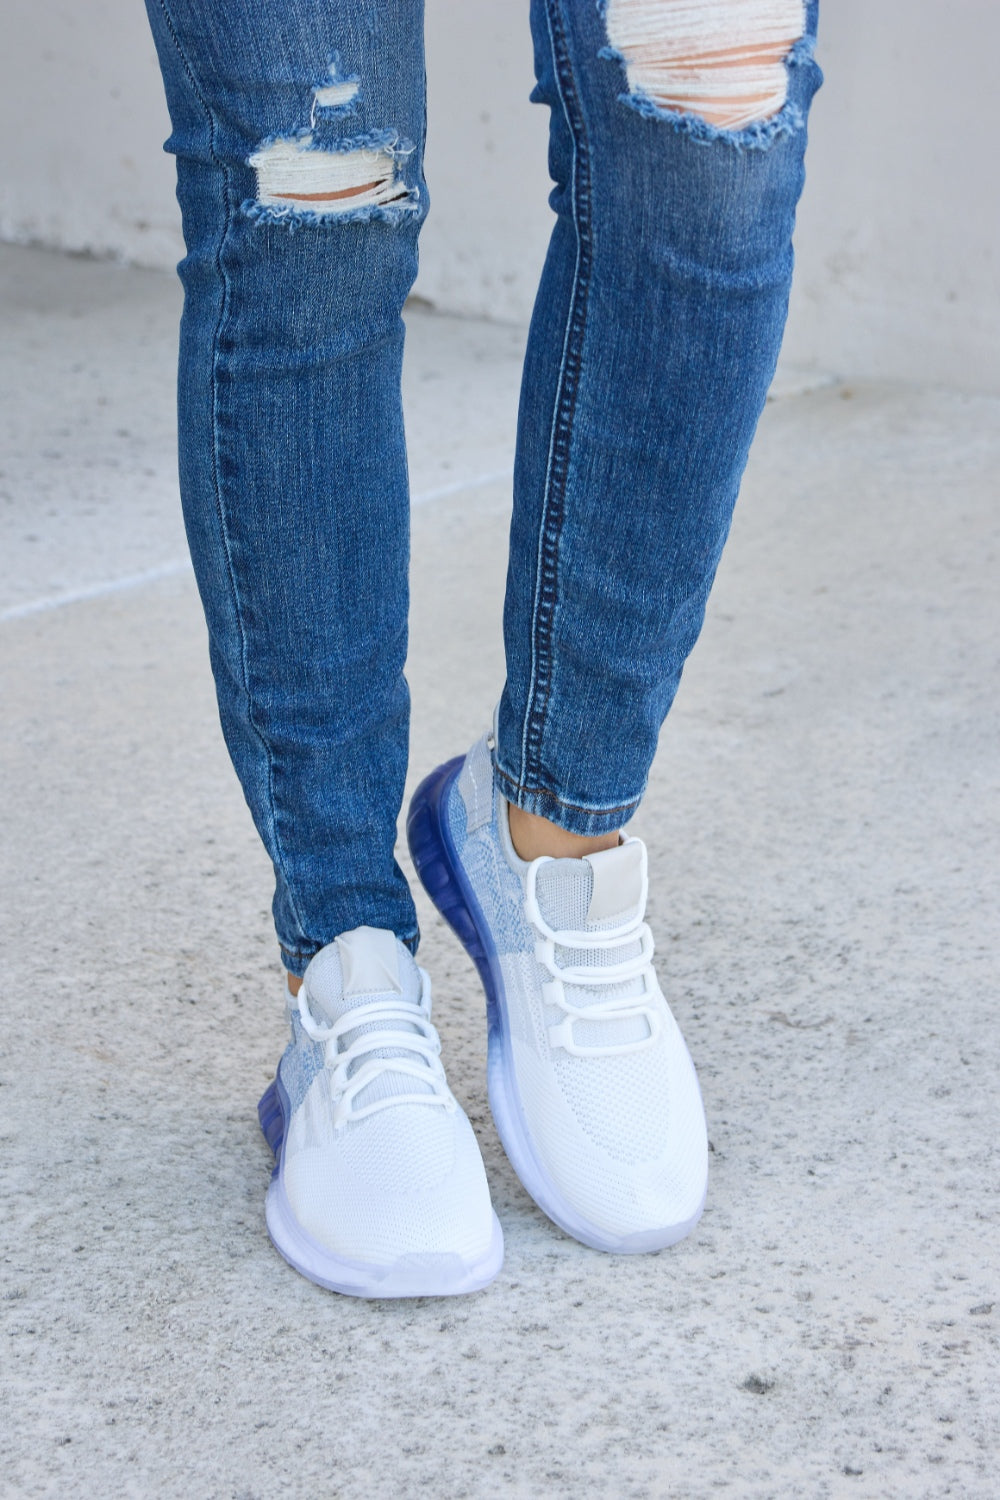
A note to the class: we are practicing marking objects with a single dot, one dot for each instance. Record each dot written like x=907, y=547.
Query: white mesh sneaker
x=592, y=1088
x=378, y=1188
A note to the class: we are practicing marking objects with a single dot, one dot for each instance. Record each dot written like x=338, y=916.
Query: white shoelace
x=646, y=1007
x=386, y=1012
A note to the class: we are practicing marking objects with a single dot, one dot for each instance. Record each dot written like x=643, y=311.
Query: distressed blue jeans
x=298, y=129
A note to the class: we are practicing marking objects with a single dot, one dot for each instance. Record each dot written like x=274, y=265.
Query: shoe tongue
x=358, y=968
x=603, y=890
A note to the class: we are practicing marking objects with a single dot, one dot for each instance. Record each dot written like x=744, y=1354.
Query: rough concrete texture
x=822, y=828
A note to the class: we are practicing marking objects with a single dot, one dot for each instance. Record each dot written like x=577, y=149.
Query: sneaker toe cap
x=639, y=1183
x=401, y=1182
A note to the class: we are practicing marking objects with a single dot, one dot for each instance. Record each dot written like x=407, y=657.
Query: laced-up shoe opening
x=600, y=987
x=380, y=1054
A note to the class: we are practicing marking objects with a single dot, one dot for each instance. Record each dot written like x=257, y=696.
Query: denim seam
x=216, y=482
x=567, y=389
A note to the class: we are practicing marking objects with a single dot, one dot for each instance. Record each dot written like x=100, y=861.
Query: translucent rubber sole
x=443, y=877
x=417, y=1275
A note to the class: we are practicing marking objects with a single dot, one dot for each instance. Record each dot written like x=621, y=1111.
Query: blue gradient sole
x=272, y=1120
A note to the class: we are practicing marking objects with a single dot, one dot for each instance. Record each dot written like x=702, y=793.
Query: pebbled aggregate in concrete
x=822, y=822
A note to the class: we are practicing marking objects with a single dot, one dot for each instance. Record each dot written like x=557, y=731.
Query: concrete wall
x=898, y=267
x=83, y=120
x=899, y=272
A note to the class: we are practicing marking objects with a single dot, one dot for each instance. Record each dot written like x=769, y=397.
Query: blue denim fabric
x=654, y=338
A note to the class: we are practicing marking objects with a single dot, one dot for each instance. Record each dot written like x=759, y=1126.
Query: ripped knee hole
x=722, y=60
x=302, y=177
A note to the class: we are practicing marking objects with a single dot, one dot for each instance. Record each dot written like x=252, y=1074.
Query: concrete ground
x=822, y=821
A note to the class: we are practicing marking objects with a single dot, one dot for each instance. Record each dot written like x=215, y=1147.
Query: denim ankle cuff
x=589, y=822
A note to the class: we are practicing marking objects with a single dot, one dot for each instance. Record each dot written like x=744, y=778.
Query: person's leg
x=298, y=131
x=653, y=342
x=677, y=137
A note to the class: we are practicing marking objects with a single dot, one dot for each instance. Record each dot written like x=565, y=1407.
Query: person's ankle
x=294, y=983
x=533, y=836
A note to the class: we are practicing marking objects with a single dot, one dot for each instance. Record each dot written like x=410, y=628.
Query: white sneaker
x=378, y=1188
x=592, y=1089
